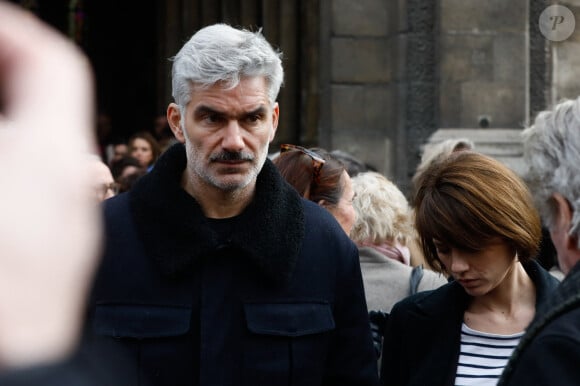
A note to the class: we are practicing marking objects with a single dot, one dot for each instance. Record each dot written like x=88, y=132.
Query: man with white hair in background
x=549, y=352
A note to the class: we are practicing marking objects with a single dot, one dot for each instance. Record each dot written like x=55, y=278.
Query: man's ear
x=563, y=219
x=566, y=244
x=564, y=211
x=174, y=119
x=275, y=120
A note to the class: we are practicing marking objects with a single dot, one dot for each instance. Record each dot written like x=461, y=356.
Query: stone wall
x=566, y=59
x=361, y=97
x=398, y=71
x=483, y=63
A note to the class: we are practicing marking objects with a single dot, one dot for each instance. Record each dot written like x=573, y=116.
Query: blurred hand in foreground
x=49, y=224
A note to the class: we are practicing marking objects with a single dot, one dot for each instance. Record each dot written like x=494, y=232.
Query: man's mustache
x=232, y=156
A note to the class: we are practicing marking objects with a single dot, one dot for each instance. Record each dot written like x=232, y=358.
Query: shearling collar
x=176, y=235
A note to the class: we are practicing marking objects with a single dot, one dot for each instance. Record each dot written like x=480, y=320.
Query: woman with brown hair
x=319, y=177
x=477, y=223
x=145, y=148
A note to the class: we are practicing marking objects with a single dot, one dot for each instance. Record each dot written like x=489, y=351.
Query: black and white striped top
x=483, y=356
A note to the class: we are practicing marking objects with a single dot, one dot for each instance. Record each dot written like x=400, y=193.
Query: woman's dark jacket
x=278, y=302
x=549, y=352
x=423, y=334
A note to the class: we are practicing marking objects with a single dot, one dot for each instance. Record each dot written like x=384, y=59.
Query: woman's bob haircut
x=468, y=200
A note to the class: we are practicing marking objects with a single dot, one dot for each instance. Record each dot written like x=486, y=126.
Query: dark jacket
x=278, y=302
x=423, y=334
x=87, y=366
x=65, y=373
x=549, y=352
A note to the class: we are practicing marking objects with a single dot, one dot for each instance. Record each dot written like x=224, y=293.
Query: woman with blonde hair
x=382, y=231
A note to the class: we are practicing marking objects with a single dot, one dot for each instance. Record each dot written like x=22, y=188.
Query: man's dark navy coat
x=278, y=302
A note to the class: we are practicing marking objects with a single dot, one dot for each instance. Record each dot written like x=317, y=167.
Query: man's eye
x=212, y=118
x=254, y=118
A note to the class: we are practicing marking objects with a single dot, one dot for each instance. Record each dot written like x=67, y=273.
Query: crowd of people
x=209, y=261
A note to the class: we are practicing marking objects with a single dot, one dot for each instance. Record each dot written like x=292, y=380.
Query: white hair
x=552, y=154
x=221, y=53
x=383, y=213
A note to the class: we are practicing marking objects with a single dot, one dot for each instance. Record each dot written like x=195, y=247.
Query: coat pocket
x=287, y=341
x=156, y=340
x=141, y=321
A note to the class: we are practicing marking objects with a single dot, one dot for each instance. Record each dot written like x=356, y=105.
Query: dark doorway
x=129, y=42
x=120, y=42
x=119, y=38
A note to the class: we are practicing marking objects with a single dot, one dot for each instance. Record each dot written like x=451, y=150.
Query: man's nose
x=232, y=139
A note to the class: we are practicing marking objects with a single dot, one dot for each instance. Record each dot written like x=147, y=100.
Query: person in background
x=126, y=171
x=477, y=222
x=162, y=132
x=117, y=149
x=383, y=227
x=549, y=352
x=105, y=185
x=320, y=178
x=144, y=147
x=234, y=278
x=352, y=164
x=436, y=152
x=127, y=182
x=382, y=230
x=50, y=229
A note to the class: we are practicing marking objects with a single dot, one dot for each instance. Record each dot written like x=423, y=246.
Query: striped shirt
x=483, y=356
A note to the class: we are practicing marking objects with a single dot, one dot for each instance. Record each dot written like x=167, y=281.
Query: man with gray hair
x=215, y=270
x=549, y=352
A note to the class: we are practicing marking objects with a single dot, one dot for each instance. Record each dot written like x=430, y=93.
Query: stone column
x=566, y=59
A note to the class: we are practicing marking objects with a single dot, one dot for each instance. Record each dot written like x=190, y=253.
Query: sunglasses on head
x=317, y=160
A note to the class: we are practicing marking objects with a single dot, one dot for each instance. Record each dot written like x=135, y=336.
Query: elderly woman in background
x=382, y=231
